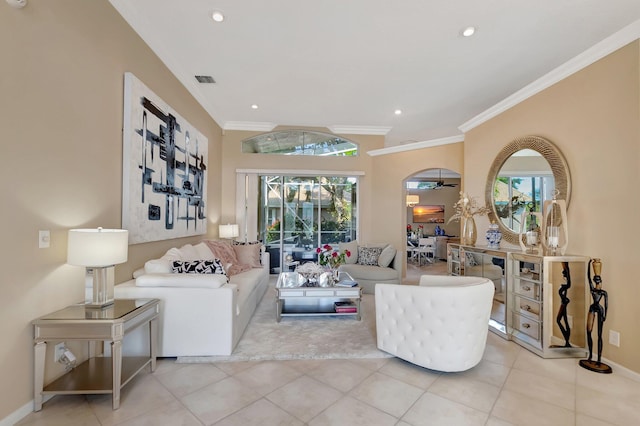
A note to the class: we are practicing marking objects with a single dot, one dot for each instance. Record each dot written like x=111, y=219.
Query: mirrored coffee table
x=295, y=299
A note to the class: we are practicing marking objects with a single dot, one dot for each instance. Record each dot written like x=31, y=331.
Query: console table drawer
x=527, y=326
x=348, y=293
x=320, y=293
x=528, y=308
x=528, y=289
x=292, y=293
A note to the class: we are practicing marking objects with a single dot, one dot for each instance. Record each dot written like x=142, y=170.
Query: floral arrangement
x=467, y=207
x=409, y=228
x=331, y=258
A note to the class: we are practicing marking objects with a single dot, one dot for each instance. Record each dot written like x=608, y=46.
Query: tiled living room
x=63, y=102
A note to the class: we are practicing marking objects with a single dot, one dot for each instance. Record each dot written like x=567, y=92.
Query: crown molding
x=417, y=145
x=607, y=46
x=255, y=126
x=360, y=130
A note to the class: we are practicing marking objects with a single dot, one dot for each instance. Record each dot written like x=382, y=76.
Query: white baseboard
x=622, y=371
x=21, y=412
x=17, y=415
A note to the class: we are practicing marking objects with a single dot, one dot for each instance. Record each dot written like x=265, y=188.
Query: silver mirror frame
x=556, y=161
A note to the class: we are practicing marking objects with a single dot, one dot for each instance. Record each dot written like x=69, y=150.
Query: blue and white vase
x=494, y=236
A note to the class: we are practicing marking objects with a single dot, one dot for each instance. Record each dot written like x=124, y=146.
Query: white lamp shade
x=412, y=200
x=228, y=231
x=97, y=247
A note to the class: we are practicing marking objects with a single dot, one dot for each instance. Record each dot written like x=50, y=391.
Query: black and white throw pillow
x=198, y=267
x=246, y=243
x=470, y=260
x=368, y=255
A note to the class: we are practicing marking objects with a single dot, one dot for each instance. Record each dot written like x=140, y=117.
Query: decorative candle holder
x=530, y=240
x=555, y=233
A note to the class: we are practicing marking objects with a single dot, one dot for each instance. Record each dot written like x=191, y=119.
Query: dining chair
x=426, y=250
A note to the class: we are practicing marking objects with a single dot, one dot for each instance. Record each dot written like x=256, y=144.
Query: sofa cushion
x=246, y=283
x=386, y=256
x=188, y=252
x=159, y=266
x=197, y=267
x=352, y=246
x=248, y=254
x=182, y=280
x=138, y=272
x=204, y=252
x=368, y=255
x=367, y=272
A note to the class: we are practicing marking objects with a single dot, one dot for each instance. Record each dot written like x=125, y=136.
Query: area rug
x=322, y=337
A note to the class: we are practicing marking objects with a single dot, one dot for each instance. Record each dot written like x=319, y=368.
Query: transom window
x=299, y=142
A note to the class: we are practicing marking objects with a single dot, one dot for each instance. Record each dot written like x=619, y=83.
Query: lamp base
x=91, y=305
x=99, y=287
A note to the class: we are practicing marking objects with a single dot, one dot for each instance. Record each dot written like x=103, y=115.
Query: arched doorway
x=429, y=198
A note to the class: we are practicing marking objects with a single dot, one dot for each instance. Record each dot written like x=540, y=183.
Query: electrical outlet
x=614, y=338
x=59, y=351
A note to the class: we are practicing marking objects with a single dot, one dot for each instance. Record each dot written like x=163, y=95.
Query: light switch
x=44, y=238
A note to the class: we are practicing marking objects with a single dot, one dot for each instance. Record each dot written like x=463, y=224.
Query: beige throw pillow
x=248, y=254
x=387, y=255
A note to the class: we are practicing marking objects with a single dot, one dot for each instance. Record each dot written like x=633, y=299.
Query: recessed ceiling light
x=254, y=106
x=217, y=16
x=469, y=31
x=398, y=112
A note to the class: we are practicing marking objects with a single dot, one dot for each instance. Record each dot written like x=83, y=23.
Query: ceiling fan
x=440, y=183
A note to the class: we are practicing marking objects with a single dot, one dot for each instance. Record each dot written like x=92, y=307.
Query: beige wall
x=593, y=117
x=61, y=105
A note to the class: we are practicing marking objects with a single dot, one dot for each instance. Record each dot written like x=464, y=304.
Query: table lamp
x=98, y=250
x=228, y=231
x=412, y=200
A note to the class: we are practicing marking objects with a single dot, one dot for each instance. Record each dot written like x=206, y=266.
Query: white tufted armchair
x=441, y=324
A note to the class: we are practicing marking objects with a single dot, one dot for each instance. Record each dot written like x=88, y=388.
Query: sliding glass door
x=300, y=213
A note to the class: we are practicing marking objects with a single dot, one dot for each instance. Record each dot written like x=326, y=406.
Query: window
x=299, y=142
x=300, y=213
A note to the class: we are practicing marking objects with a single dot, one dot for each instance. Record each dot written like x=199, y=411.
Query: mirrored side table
x=97, y=375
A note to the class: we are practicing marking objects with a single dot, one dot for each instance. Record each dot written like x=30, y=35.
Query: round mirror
x=524, y=174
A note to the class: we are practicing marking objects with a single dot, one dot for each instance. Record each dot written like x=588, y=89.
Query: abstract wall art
x=164, y=169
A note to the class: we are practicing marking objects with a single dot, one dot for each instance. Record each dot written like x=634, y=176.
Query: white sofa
x=441, y=324
x=387, y=269
x=199, y=316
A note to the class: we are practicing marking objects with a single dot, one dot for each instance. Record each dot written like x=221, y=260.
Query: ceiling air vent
x=205, y=79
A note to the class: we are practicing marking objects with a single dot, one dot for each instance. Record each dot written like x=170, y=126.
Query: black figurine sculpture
x=561, y=318
x=597, y=311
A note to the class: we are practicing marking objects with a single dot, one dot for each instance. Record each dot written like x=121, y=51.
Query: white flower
x=467, y=207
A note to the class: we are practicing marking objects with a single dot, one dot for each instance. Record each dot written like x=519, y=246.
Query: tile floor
x=509, y=386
